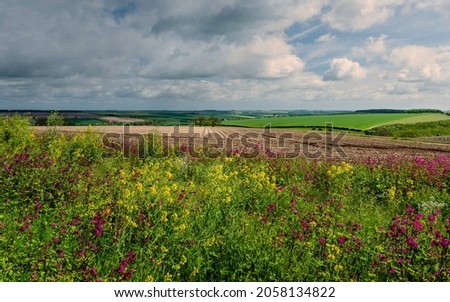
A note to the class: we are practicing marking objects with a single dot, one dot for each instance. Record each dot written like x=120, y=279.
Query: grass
x=347, y=121
x=73, y=210
x=423, y=129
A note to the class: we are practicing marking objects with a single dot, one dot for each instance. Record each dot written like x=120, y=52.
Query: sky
x=224, y=54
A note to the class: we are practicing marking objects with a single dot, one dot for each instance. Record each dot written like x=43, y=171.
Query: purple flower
x=127, y=274
x=271, y=207
x=412, y=243
x=322, y=240
x=24, y=227
x=342, y=240
x=294, y=210
x=98, y=222
x=444, y=242
x=432, y=218
x=417, y=225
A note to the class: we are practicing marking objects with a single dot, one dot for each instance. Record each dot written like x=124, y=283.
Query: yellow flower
x=139, y=186
x=149, y=278
x=194, y=271
x=228, y=199
x=338, y=267
x=153, y=190
x=183, y=260
x=130, y=221
x=391, y=193
x=168, y=277
x=164, y=249
x=164, y=216
x=181, y=227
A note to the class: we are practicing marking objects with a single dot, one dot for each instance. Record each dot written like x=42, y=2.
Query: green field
x=347, y=121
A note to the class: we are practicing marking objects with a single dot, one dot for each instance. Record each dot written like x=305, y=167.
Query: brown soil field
x=115, y=119
x=284, y=142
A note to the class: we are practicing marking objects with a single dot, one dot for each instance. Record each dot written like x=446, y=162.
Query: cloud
x=416, y=63
x=342, y=69
x=355, y=15
x=375, y=47
x=325, y=38
x=171, y=52
x=440, y=6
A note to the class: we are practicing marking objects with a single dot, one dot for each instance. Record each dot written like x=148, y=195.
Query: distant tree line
x=424, y=111
x=204, y=121
x=380, y=111
x=399, y=111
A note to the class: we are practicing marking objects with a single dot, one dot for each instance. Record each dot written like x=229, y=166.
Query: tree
x=200, y=121
x=55, y=119
x=214, y=121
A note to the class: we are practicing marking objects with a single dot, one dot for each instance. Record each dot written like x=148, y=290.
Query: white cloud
x=325, y=38
x=416, y=63
x=354, y=15
x=440, y=6
x=263, y=57
x=374, y=47
x=343, y=68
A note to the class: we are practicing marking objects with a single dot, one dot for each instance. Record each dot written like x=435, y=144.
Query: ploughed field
x=80, y=205
x=284, y=142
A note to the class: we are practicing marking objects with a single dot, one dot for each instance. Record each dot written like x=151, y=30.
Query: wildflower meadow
x=72, y=212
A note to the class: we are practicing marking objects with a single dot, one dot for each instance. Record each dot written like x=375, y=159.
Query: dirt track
x=286, y=141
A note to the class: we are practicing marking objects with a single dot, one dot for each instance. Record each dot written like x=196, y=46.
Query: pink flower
x=293, y=209
x=25, y=227
x=271, y=207
x=444, y=242
x=341, y=240
x=322, y=240
x=412, y=243
x=417, y=225
x=98, y=222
